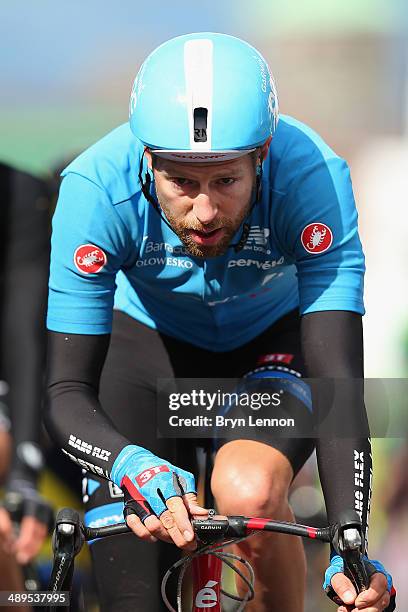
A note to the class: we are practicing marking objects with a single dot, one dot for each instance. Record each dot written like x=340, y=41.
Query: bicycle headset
x=203, y=97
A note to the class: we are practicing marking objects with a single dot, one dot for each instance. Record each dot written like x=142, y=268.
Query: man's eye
x=226, y=181
x=181, y=182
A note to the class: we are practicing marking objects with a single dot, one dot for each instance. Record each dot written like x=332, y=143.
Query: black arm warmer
x=332, y=344
x=74, y=416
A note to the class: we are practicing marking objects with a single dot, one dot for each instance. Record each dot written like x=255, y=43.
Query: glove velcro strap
x=141, y=509
x=135, y=502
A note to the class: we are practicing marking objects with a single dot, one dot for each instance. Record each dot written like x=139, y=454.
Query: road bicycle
x=214, y=534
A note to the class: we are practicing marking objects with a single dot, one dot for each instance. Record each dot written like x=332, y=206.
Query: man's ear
x=265, y=148
x=149, y=157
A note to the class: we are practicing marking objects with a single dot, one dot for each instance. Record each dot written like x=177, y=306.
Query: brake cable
x=227, y=558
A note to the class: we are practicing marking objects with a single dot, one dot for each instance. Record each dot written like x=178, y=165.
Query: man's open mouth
x=207, y=238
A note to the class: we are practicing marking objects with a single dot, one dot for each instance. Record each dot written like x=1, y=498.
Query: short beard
x=230, y=227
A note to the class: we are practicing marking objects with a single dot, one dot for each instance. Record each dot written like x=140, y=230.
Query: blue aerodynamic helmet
x=203, y=97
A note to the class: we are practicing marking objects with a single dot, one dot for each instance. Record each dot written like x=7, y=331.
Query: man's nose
x=205, y=208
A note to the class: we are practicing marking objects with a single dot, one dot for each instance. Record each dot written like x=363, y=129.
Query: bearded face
x=209, y=240
x=205, y=204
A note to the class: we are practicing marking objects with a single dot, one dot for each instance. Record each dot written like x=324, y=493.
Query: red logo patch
x=147, y=475
x=89, y=259
x=277, y=357
x=317, y=237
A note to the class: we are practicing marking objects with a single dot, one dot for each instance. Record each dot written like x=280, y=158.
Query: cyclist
x=204, y=239
x=24, y=246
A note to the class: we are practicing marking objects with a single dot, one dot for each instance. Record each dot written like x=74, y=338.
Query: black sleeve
x=24, y=238
x=74, y=416
x=332, y=344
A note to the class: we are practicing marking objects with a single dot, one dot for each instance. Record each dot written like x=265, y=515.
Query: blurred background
x=341, y=66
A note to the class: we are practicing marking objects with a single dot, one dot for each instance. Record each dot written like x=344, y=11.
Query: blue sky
x=67, y=66
x=57, y=45
x=50, y=49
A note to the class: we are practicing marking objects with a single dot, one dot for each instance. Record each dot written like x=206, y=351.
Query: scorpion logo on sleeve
x=89, y=259
x=316, y=237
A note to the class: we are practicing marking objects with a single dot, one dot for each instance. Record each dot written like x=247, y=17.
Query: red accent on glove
x=134, y=492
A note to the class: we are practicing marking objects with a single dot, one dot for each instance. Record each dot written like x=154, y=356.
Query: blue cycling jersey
x=110, y=248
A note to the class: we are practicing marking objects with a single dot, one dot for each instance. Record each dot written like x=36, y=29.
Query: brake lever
x=348, y=542
x=354, y=567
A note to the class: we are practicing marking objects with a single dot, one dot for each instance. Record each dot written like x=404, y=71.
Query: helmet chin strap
x=146, y=182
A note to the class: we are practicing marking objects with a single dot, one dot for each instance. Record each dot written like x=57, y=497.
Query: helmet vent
x=200, y=124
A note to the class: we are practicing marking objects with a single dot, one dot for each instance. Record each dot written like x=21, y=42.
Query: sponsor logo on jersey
x=89, y=259
x=153, y=247
x=261, y=265
x=278, y=357
x=104, y=521
x=145, y=476
x=257, y=239
x=89, y=486
x=316, y=238
x=106, y=514
x=278, y=368
x=258, y=235
x=165, y=261
x=206, y=597
x=114, y=490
